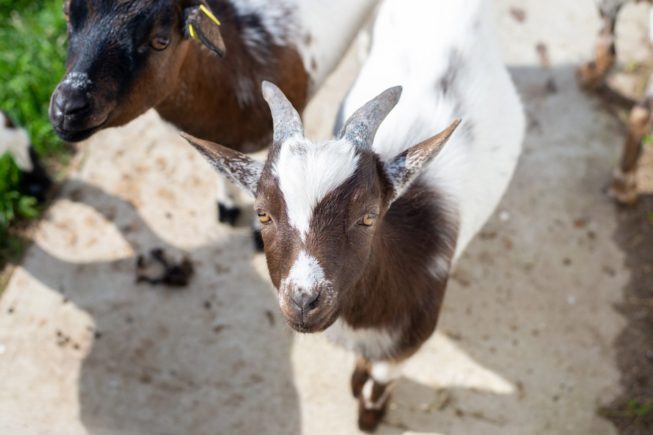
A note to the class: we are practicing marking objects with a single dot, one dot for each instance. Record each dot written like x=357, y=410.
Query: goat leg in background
x=372, y=383
x=592, y=74
x=37, y=182
x=360, y=376
x=227, y=194
x=624, y=183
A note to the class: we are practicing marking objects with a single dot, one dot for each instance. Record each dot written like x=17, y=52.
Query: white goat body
x=445, y=56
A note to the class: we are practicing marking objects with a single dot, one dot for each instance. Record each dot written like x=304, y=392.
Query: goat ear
x=201, y=23
x=237, y=167
x=404, y=168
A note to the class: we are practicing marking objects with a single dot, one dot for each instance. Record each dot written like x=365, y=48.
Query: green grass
x=32, y=54
x=631, y=409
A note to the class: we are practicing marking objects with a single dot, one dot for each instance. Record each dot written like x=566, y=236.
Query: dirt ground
x=632, y=411
x=543, y=329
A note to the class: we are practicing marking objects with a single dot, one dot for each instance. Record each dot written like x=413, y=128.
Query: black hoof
x=228, y=215
x=35, y=183
x=258, y=240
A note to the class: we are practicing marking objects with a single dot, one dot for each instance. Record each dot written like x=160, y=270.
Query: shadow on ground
x=209, y=358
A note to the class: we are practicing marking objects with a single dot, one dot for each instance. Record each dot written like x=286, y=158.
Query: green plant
x=32, y=53
x=636, y=408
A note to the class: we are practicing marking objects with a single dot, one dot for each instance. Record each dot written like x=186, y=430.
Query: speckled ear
x=404, y=169
x=285, y=119
x=237, y=167
x=200, y=23
x=361, y=127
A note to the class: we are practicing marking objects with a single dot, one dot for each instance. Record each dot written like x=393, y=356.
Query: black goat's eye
x=159, y=43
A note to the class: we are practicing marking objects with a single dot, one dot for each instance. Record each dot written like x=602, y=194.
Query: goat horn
x=361, y=127
x=285, y=119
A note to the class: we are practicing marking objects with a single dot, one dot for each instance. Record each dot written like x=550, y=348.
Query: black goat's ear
x=201, y=23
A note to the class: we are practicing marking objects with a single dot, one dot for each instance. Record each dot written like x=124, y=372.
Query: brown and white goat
x=361, y=231
x=592, y=76
x=127, y=56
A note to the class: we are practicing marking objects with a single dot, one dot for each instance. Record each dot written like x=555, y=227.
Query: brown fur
x=370, y=418
x=360, y=376
x=397, y=289
x=207, y=91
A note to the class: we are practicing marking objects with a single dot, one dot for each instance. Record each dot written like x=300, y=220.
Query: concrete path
x=525, y=341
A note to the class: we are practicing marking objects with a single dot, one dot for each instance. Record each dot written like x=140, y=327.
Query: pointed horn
x=285, y=119
x=361, y=127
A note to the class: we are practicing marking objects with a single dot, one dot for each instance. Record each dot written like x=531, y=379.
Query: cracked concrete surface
x=524, y=345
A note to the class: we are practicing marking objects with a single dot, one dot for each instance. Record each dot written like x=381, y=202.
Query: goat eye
x=263, y=217
x=368, y=220
x=159, y=43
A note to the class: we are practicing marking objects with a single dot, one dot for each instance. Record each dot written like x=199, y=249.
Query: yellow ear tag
x=209, y=14
x=192, y=32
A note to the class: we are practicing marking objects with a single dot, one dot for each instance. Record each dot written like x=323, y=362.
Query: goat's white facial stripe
x=305, y=274
x=307, y=172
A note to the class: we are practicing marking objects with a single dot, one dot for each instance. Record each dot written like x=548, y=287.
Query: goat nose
x=306, y=301
x=70, y=102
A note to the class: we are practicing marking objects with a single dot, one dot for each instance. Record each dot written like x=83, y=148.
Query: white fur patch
x=368, y=389
x=320, y=30
x=385, y=372
x=372, y=343
x=305, y=274
x=16, y=142
x=246, y=91
x=440, y=267
x=307, y=172
x=278, y=21
x=327, y=29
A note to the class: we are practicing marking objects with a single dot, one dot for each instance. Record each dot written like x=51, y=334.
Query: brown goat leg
x=373, y=404
x=624, y=184
x=592, y=74
x=372, y=383
x=360, y=376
